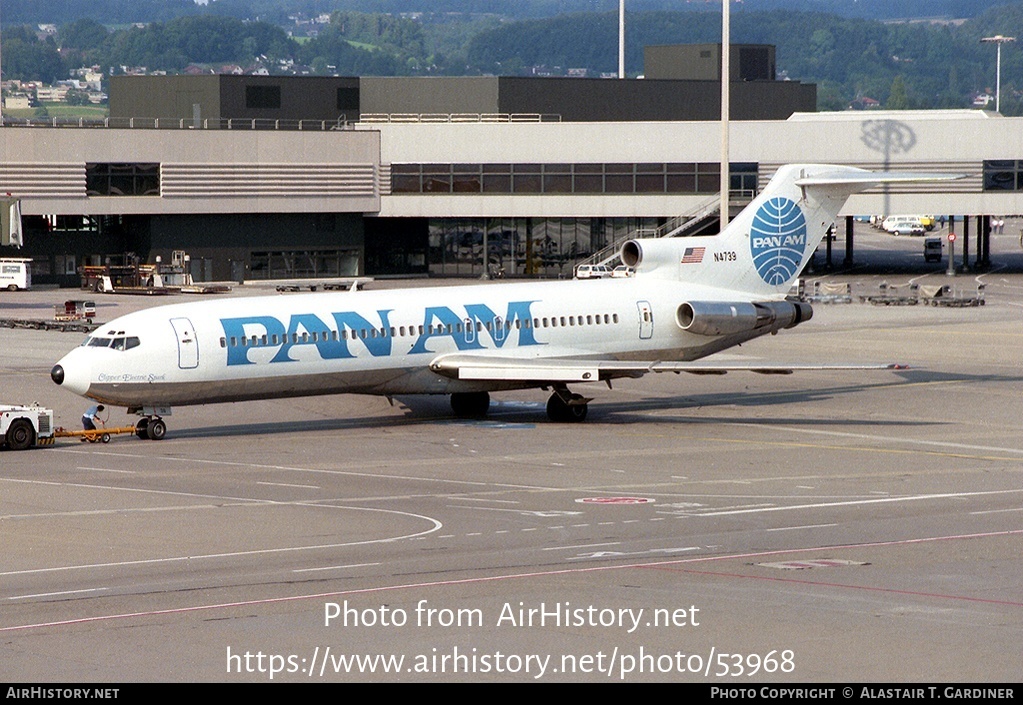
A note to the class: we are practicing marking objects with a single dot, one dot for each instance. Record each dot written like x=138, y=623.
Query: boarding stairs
x=679, y=226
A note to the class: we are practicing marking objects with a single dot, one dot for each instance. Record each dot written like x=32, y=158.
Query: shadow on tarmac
x=434, y=409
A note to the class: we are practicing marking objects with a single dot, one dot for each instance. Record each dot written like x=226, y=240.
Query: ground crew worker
x=90, y=417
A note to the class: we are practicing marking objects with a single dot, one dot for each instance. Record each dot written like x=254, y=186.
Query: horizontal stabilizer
x=873, y=178
x=847, y=181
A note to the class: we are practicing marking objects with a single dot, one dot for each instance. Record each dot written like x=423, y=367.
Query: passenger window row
x=569, y=321
x=468, y=325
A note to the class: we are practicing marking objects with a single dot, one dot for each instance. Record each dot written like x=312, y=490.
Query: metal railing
x=679, y=226
x=457, y=117
x=341, y=123
x=673, y=227
x=141, y=123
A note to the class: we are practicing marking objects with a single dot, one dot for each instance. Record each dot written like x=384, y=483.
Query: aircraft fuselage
x=378, y=342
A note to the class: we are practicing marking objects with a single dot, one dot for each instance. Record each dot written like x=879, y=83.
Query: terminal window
x=570, y=178
x=304, y=264
x=122, y=179
x=1003, y=174
x=263, y=97
x=348, y=99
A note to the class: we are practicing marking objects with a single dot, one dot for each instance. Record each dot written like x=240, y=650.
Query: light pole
x=998, y=40
x=1, y=83
x=725, y=77
x=621, y=38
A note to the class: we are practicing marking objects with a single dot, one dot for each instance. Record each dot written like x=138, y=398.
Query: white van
x=904, y=225
x=592, y=271
x=15, y=273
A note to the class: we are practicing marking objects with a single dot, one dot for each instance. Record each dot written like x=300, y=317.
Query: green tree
x=77, y=97
x=897, y=96
x=204, y=39
x=331, y=47
x=82, y=35
x=28, y=59
x=830, y=96
x=822, y=47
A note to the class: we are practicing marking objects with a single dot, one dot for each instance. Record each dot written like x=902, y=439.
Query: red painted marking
x=673, y=565
x=615, y=500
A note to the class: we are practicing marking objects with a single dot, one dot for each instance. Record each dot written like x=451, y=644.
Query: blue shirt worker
x=90, y=417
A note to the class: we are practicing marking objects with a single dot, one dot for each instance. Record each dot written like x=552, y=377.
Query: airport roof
x=860, y=115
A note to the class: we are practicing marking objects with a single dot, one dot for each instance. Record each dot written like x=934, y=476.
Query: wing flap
x=528, y=372
x=549, y=370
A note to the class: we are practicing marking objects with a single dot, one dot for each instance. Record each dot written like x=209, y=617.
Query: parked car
x=904, y=225
x=622, y=271
x=592, y=271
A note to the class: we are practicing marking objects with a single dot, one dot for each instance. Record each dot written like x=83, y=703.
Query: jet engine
x=648, y=254
x=730, y=318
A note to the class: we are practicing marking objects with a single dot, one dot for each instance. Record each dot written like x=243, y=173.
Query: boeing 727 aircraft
x=689, y=298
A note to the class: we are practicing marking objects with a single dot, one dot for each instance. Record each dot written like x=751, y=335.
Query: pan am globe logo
x=778, y=240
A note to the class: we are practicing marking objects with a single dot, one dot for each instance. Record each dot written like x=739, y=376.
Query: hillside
x=929, y=64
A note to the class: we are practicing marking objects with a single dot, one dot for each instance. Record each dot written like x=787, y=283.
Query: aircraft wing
x=552, y=370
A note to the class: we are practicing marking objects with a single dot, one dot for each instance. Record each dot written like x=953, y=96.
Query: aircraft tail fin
x=765, y=247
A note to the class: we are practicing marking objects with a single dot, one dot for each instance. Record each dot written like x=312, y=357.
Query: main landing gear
x=470, y=405
x=562, y=407
x=152, y=428
x=566, y=407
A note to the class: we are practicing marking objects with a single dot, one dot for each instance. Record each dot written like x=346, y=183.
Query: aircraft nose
x=72, y=372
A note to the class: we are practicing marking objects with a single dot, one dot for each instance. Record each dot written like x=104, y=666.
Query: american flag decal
x=693, y=255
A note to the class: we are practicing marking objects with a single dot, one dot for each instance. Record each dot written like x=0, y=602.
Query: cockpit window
x=119, y=343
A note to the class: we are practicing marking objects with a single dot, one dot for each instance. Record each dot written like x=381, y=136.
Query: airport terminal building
x=282, y=178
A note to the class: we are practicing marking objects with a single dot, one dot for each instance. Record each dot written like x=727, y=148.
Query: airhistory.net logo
x=778, y=240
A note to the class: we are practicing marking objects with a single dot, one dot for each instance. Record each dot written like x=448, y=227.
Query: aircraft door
x=646, y=320
x=188, y=343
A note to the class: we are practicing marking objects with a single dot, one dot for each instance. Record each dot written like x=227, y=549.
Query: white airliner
x=689, y=298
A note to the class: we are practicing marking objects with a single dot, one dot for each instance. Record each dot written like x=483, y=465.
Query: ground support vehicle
x=22, y=427
x=15, y=273
x=75, y=310
x=101, y=435
x=829, y=293
x=950, y=298
x=893, y=296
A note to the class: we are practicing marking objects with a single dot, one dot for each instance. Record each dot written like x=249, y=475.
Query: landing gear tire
x=20, y=435
x=470, y=405
x=156, y=430
x=142, y=428
x=560, y=411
